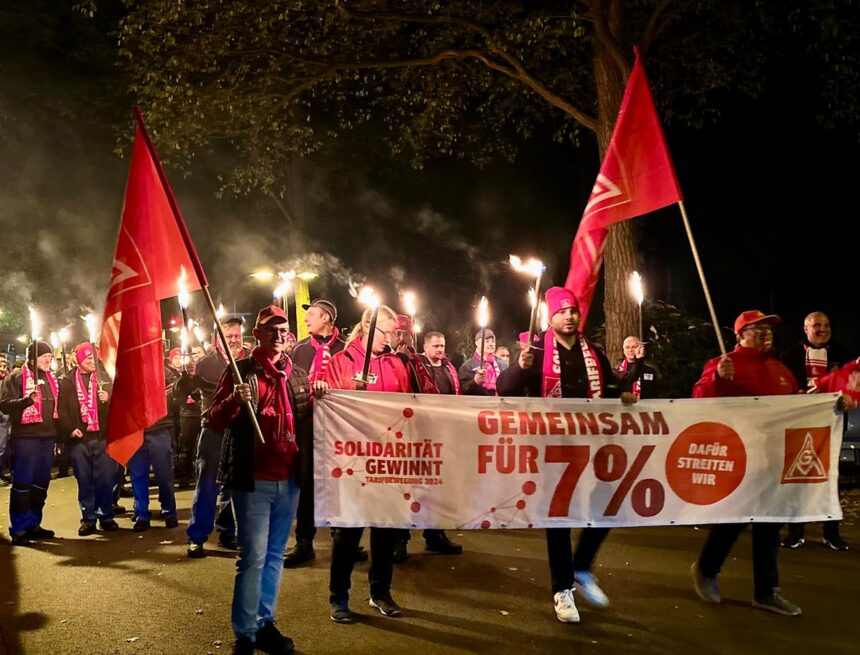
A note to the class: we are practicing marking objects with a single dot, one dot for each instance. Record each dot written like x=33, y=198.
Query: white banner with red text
x=431, y=461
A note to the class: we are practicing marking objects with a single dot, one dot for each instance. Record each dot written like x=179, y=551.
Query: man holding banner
x=569, y=366
x=746, y=371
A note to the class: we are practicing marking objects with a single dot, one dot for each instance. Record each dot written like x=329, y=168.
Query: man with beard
x=479, y=378
x=206, y=503
x=262, y=476
x=30, y=398
x=813, y=357
x=83, y=419
x=569, y=366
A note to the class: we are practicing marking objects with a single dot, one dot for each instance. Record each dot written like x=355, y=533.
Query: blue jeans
x=95, y=472
x=157, y=452
x=31, y=472
x=4, y=445
x=263, y=519
x=206, y=501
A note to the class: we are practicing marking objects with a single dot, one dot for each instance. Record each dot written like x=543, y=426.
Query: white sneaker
x=565, y=608
x=589, y=589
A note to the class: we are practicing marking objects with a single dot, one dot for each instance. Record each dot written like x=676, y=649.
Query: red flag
x=153, y=250
x=636, y=177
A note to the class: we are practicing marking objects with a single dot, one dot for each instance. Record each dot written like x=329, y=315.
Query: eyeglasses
x=281, y=331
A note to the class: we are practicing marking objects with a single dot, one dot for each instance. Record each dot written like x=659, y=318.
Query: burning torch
x=535, y=268
x=367, y=296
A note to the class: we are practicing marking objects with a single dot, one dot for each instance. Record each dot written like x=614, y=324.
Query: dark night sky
x=769, y=192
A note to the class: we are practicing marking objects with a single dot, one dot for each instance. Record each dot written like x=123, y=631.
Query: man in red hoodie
x=747, y=371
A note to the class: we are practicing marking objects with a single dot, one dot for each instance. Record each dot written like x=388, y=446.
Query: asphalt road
x=126, y=593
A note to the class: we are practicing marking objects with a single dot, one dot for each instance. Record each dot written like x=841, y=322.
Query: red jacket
x=390, y=372
x=756, y=374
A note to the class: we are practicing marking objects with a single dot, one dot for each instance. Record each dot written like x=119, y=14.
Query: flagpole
x=195, y=262
x=702, y=277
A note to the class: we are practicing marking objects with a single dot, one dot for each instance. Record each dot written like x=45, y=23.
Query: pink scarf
x=491, y=370
x=551, y=381
x=637, y=385
x=88, y=401
x=274, y=411
x=454, y=376
x=33, y=414
x=322, y=356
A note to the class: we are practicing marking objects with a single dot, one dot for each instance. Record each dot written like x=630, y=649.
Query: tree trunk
x=622, y=318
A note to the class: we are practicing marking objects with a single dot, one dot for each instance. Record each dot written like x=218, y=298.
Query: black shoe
x=171, y=522
x=243, y=646
x=400, y=552
x=40, y=533
x=442, y=544
x=125, y=492
x=269, y=640
x=196, y=551
x=5, y=481
x=386, y=605
x=835, y=542
x=340, y=612
x=361, y=554
x=302, y=552
x=140, y=525
x=109, y=525
x=20, y=539
x=63, y=474
x=86, y=529
x=119, y=510
x=228, y=542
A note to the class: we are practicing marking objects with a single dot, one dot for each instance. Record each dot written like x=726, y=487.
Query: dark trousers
x=829, y=528
x=157, y=453
x=305, y=529
x=186, y=445
x=344, y=547
x=765, y=542
x=95, y=472
x=63, y=459
x=31, y=474
x=562, y=563
x=430, y=535
x=211, y=508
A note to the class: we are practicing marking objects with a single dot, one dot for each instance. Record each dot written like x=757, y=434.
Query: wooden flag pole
x=702, y=277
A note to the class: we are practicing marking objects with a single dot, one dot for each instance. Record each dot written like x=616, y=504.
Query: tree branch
x=517, y=70
x=654, y=27
x=603, y=33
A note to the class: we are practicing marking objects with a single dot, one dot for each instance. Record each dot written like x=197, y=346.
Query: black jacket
x=13, y=404
x=70, y=410
x=204, y=380
x=304, y=352
x=169, y=420
x=239, y=447
x=515, y=381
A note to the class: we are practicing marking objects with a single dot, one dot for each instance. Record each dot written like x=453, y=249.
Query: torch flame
x=532, y=298
x=533, y=267
x=483, y=312
x=220, y=311
x=199, y=334
x=64, y=335
x=544, y=316
x=636, y=288
x=367, y=296
x=90, y=320
x=35, y=323
x=55, y=340
x=182, y=286
x=410, y=301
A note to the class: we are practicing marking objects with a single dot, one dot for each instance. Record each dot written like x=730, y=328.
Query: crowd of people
x=250, y=491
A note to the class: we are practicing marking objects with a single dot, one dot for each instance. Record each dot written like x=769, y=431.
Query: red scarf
x=491, y=370
x=454, y=376
x=322, y=356
x=426, y=383
x=88, y=401
x=33, y=414
x=637, y=385
x=273, y=410
x=551, y=381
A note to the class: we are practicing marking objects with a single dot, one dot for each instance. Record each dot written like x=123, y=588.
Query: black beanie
x=42, y=348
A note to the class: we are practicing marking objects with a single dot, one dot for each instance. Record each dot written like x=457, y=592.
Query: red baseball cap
x=174, y=352
x=558, y=298
x=753, y=317
x=271, y=314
